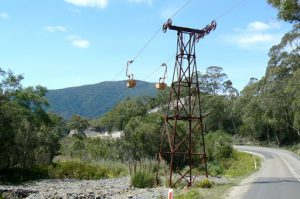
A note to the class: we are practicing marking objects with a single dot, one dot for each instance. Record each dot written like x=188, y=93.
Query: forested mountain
x=96, y=99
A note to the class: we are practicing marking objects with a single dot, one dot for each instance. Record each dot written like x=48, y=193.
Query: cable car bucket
x=131, y=82
x=161, y=85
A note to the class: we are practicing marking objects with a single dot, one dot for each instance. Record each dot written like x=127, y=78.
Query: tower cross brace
x=182, y=142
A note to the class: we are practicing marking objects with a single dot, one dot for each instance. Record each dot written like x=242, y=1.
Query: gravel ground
x=81, y=189
x=85, y=189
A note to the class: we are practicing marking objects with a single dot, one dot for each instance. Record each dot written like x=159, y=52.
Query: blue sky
x=64, y=43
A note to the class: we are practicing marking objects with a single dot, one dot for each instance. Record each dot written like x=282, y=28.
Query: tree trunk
x=276, y=136
x=290, y=128
x=268, y=134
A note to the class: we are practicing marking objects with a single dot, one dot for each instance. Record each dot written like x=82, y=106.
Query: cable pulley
x=131, y=82
x=167, y=25
x=161, y=85
x=212, y=26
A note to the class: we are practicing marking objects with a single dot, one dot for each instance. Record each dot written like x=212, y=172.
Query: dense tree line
x=266, y=109
x=270, y=106
x=28, y=135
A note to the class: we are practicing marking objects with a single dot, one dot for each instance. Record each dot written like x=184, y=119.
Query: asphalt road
x=279, y=177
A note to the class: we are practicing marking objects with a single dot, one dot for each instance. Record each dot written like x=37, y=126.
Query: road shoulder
x=238, y=191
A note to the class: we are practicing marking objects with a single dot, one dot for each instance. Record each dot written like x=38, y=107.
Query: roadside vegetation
x=295, y=148
x=242, y=165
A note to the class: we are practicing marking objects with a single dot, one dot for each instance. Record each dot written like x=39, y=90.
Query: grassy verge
x=216, y=192
x=243, y=164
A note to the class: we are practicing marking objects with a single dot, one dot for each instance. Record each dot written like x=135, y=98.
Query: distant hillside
x=94, y=100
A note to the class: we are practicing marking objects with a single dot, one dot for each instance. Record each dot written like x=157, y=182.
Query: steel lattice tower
x=182, y=141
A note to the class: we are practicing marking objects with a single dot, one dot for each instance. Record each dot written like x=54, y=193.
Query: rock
x=118, y=188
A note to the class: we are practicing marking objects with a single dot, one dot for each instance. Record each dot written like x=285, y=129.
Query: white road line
x=295, y=174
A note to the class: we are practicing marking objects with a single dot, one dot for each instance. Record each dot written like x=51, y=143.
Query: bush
x=142, y=179
x=218, y=145
x=142, y=174
x=215, y=169
x=79, y=170
x=19, y=175
x=205, y=183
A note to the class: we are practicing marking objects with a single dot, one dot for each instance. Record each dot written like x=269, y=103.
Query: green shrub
x=205, y=183
x=215, y=169
x=79, y=170
x=19, y=175
x=142, y=179
x=218, y=145
x=143, y=174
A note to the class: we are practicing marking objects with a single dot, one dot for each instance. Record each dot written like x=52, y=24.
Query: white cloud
x=256, y=35
x=257, y=26
x=142, y=1
x=55, y=28
x=261, y=26
x=4, y=15
x=78, y=42
x=255, y=38
x=89, y=3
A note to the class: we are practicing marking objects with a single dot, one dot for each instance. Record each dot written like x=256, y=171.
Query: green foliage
x=191, y=194
x=142, y=179
x=218, y=146
x=211, y=81
x=219, y=152
x=90, y=149
x=92, y=101
x=268, y=107
x=242, y=164
x=220, y=114
x=19, y=175
x=205, y=183
x=294, y=148
x=142, y=136
x=117, y=119
x=28, y=135
x=288, y=10
x=78, y=123
x=215, y=169
x=142, y=174
x=80, y=170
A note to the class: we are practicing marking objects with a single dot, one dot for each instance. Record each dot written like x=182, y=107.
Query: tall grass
x=142, y=173
x=87, y=171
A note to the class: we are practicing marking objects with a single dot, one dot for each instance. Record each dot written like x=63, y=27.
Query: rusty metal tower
x=182, y=142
